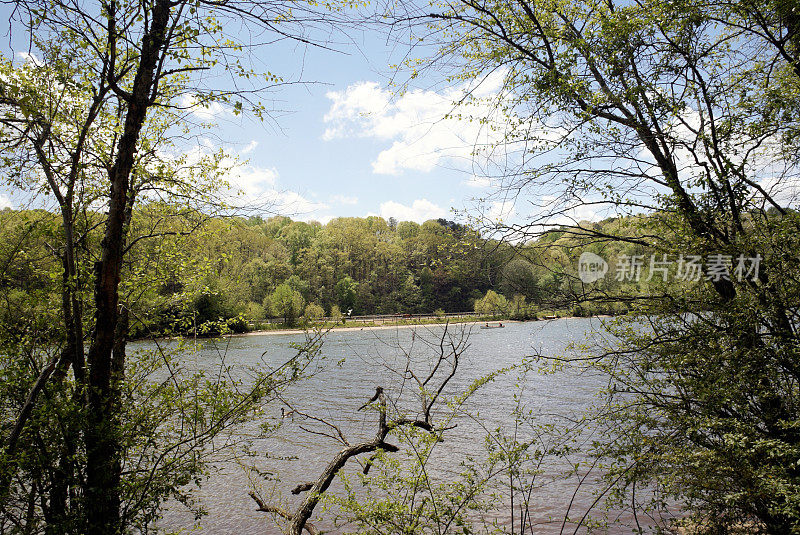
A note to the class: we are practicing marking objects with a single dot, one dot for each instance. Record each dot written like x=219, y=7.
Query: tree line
x=220, y=273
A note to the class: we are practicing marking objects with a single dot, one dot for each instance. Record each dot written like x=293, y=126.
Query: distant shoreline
x=346, y=328
x=372, y=327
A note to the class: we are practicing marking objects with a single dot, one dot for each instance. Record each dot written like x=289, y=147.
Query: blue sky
x=342, y=144
x=346, y=145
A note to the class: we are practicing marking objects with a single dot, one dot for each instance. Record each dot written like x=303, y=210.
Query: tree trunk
x=102, y=432
x=56, y=512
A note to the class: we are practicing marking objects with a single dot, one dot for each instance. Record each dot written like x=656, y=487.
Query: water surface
x=354, y=364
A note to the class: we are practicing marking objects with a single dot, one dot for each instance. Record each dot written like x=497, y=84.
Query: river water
x=355, y=363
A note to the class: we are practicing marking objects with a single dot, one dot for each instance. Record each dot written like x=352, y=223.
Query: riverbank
x=346, y=328
x=409, y=325
x=401, y=324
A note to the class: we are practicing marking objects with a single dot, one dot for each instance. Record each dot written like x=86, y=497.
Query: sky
x=348, y=146
x=342, y=143
x=345, y=142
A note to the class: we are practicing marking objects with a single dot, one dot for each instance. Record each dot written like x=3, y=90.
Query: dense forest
x=239, y=271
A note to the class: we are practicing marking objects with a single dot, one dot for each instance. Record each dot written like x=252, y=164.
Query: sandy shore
x=371, y=327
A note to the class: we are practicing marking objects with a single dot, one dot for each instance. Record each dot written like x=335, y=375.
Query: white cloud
x=259, y=187
x=420, y=211
x=253, y=181
x=250, y=187
x=357, y=106
x=250, y=147
x=292, y=203
x=417, y=123
x=30, y=58
x=205, y=111
x=5, y=202
x=577, y=214
x=344, y=199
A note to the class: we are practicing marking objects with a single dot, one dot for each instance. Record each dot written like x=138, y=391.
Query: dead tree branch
x=447, y=356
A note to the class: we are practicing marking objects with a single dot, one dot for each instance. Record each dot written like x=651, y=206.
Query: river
x=355, y=363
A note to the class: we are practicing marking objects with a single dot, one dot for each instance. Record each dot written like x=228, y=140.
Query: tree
x=426, y=289
x=297, y=236
x=313, y=312
x=518, y=308
x=30, y=334
x=518, y=277
x=87, y=120
x=410, y=295
x=287, y=302
x=257, y=278
x=336, y=314
x=686, y=112
x=346, y=291
x=492, y=303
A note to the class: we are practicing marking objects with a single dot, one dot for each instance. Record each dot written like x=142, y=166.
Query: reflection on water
x=354, y=364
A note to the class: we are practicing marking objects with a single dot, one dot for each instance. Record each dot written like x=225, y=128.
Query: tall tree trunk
x=102, y=432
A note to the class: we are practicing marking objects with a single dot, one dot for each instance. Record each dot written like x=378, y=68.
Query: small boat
x=487, y=326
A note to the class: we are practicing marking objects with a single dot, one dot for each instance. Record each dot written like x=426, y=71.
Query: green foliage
x=255, y=312
x=715, y=426
x=313, y=312
x=346, y=290
x=93, y=125
x=227, y=268
x=287, y=302
x=518, y=309
x=680, y=119
x=519, y=277
x=170, y=412
x=336, y=314
x=492, y=303
x=359, y=264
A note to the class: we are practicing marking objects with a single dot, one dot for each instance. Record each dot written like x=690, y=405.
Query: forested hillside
x=245, y=270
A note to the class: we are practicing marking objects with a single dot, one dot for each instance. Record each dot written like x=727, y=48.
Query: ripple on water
x=354, y=363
